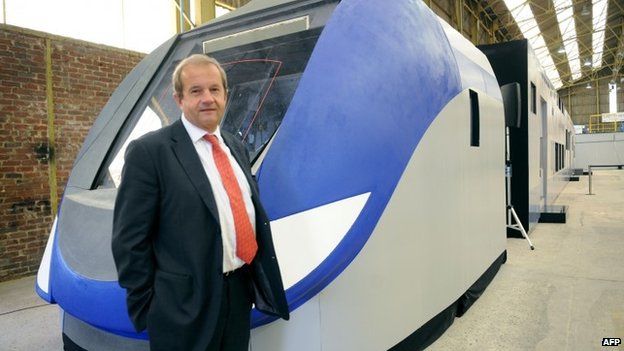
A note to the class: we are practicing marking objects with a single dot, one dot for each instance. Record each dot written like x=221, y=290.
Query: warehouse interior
x=567, y=294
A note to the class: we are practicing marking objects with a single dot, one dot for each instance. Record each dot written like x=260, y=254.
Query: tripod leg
x=524, y=233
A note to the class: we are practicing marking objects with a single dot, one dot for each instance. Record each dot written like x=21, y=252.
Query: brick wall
x=84, y=75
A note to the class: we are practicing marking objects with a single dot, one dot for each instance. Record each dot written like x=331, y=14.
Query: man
x=191, y=241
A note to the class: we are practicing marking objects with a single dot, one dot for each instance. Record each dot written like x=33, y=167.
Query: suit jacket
x=167, y=242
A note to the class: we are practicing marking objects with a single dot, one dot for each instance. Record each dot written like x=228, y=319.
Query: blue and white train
x=377, y=135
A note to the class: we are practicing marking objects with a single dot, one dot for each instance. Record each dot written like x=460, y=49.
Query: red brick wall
x=84, y=75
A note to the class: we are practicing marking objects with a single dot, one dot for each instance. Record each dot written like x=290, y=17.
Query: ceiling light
x=561, y=50
x=588, y=86
x=587, y=63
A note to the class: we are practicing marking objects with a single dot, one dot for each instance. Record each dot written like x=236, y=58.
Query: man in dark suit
x=191, y=241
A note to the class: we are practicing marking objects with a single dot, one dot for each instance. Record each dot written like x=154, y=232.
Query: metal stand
x=518, y=226
x=511, y=213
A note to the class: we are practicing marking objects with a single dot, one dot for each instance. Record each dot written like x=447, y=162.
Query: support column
x=459, y=16
x=597, y=81
x=51, y=143
x=182, y=15
x=204, y=11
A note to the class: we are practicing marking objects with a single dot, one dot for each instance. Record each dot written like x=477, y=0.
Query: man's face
x=203, y=95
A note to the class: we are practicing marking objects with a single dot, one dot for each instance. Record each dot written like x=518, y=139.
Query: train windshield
x=262, y=79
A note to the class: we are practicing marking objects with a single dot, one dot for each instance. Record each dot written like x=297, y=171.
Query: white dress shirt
x=226, y=219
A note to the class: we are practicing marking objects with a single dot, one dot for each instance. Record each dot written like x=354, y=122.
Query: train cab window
x=533, y=98
x=262, y=79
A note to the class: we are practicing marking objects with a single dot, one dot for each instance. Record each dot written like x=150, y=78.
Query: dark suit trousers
x=233, y=325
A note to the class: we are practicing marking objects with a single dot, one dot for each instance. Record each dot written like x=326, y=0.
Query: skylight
x=522, y=14
x=567, y=27
x=599, y=20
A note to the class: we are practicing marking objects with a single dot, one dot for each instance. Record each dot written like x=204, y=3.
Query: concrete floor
x=26, y=321
x=566, y=295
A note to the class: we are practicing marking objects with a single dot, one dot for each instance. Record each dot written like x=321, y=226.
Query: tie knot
x=212, y=139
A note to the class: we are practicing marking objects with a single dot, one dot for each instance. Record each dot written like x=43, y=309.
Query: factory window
x=262, y=79
x=533, y=98
x=474, y=118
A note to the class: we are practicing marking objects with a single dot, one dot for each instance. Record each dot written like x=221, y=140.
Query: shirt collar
x=197, y=133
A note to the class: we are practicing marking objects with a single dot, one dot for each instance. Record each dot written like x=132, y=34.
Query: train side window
x=559, y=157
x=533, y=98
x=567, y=144
x=556, y=157
x=474, y=118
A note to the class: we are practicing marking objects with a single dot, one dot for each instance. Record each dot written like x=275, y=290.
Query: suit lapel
x=187, y=156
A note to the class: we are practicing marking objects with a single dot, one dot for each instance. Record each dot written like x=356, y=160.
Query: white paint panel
x=300, y=333
x=304, y=240
x=463, y=45
x=43, y=274
x=444, y=226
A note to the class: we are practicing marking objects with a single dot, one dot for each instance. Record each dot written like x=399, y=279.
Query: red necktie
x=246, y=245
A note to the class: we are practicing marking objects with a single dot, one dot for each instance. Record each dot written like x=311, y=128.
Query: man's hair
x=195, y=59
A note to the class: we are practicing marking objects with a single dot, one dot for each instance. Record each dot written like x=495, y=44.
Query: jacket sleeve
x=134, y=223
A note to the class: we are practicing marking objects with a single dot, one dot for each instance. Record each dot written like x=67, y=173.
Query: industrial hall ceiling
x=576, y=41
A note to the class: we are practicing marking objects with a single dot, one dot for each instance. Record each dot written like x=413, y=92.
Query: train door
x=544, y=152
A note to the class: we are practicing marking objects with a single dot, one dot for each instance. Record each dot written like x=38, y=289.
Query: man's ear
x=178, y=99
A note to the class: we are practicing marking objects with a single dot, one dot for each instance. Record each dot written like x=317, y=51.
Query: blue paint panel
x=101, y=304
x=42, y=294
x=370, y=91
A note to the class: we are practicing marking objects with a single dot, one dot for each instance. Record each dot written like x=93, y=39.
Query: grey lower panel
x=94, y=339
